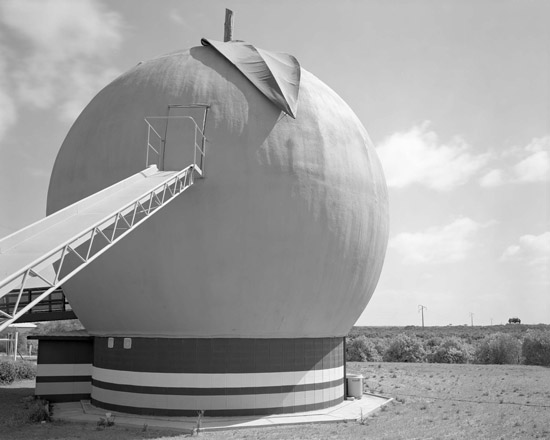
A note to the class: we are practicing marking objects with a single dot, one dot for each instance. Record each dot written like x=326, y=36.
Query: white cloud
x=491, y=179
x=528, y=164
x=176, y=17
x=539, y=144
x=8, y=112
x=86, y=85
x=64, y=55
x=533, y=251
x=441, y=244
x=418, y=157
x=63, y=28
x=535, y=167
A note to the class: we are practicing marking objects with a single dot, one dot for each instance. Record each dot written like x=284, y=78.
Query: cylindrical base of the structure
x=222, y=376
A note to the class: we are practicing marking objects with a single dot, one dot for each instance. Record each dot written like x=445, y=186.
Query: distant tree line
x=530, y=348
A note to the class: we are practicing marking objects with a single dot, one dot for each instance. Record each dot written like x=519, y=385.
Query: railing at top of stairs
x=156, y=142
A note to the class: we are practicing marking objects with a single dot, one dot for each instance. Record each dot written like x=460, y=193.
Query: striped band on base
x=63, y=382
x=64, y=371
x=219, y=376
x=218, y=401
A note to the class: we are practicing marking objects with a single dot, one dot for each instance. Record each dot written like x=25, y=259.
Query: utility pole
x=421, y=308
x=228, y=26
x=472, y=318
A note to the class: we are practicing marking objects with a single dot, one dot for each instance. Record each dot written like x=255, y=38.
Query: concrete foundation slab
x=349, y=410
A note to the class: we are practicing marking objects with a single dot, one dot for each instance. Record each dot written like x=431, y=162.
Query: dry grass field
x=432, y=401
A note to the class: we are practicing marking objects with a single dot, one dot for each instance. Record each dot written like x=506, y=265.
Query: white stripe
x=64, y=370
x=248, y=401
x=222, y=380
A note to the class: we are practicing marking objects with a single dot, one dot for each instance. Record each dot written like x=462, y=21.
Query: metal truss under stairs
x=53, y=308
x=52, y=250
x=57, y=247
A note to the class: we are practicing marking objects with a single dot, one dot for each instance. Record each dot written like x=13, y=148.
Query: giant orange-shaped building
x=236, y=297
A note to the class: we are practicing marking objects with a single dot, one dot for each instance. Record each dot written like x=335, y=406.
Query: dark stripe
x=38, y=315
x=80, y=336
x=217, y=412
x=51, y=379
x=219, y=355
x=177, y=391
x=56, y=398
x=65, y=351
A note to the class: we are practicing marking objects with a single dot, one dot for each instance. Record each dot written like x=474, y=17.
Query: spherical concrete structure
x=283, y=240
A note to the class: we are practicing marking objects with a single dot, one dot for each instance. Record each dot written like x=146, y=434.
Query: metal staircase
x=57, y=247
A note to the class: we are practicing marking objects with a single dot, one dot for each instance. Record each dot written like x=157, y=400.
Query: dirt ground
x=432, y=401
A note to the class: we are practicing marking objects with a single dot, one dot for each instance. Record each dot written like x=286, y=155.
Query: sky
x=455, y=95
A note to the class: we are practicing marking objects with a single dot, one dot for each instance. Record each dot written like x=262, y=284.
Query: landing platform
x=349, y=410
